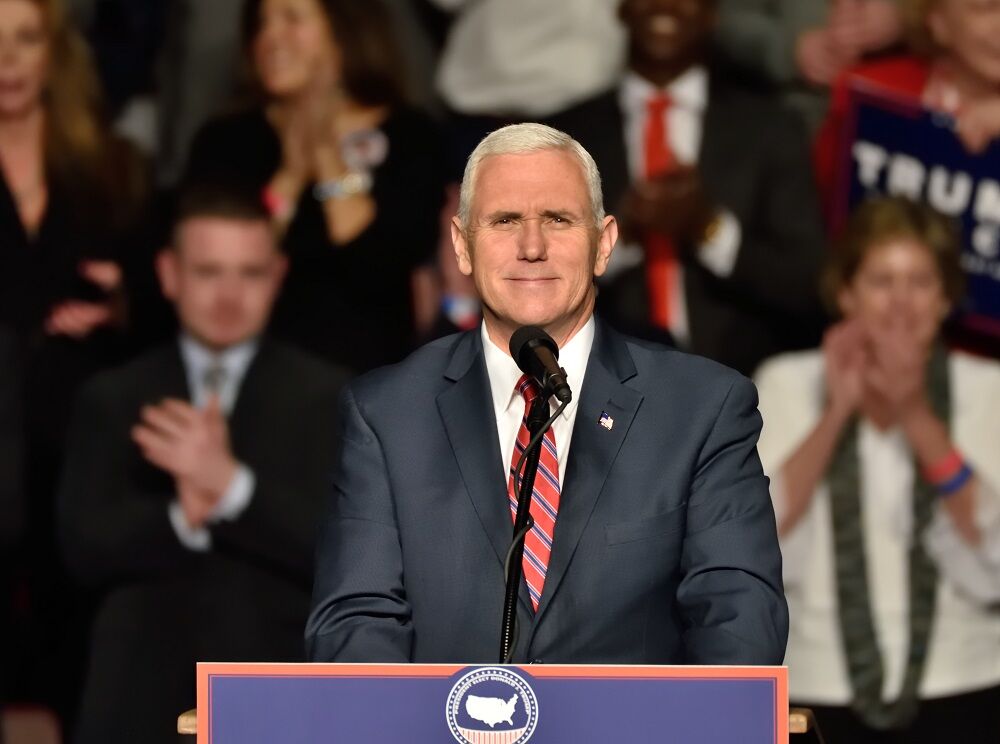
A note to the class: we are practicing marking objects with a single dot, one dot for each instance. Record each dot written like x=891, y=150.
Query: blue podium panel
x=544, y=704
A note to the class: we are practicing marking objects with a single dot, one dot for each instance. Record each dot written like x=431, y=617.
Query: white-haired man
x=661, y=547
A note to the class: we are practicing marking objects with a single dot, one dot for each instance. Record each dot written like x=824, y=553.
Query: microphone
x=536, y=354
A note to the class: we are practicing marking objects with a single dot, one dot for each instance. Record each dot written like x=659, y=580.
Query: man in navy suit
x=662, y=546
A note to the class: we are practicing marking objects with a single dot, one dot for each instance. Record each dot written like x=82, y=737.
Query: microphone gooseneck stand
x=538, y=424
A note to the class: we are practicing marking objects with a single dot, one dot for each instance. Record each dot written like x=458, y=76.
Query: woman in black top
x=69, y=197
x=352, y=176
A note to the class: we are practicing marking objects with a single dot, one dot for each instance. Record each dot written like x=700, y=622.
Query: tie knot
x=214, y=378
x=527, y=388
x=658, y=103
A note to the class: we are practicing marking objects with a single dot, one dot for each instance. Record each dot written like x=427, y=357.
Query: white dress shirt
x=234, y=362
x=508, y=404
x=684, y=124
x=529, y=57
x=964, y=652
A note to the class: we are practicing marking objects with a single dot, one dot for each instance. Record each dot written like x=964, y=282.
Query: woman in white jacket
x=882, y=450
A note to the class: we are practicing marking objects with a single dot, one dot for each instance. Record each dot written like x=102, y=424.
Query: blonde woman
x=68, y=196
x=68, y=190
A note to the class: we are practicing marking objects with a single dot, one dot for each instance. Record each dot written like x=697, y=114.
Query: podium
x=482, y=704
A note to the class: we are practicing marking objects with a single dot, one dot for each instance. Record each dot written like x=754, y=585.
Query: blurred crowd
x=213, y=213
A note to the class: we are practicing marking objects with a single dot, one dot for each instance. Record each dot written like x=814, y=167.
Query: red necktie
x=661, y=257
x=544, y=498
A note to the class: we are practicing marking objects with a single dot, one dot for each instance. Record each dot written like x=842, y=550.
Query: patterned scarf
x=857, y=628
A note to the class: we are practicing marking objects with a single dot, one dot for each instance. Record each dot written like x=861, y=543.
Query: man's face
x=531, y=245
x=223, y=276
x=667, y=31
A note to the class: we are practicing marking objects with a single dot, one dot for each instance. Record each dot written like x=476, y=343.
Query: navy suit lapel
x=467, y=413
x=593, y=449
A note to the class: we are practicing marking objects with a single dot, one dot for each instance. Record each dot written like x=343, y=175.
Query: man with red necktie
x=654, y=538
x=722, y=239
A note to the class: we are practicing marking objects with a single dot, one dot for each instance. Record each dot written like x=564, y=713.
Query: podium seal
x=491, y=705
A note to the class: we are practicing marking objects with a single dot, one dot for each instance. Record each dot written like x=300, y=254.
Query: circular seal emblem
x=491, y=704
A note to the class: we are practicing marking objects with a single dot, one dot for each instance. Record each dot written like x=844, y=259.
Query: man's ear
x=460, y=241
x=605, y=244
x=167, y=270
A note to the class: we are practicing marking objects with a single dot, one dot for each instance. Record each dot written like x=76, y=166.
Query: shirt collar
x=689, y=90
x=504, y=372
x=198, y=358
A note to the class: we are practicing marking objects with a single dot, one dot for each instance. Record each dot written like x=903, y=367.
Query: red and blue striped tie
x=544, y=499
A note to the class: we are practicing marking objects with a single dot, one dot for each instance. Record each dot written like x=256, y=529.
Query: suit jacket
x=12, y=506
x=162, y=607
x=11, y=443
x=665, y=549
x=754, y=162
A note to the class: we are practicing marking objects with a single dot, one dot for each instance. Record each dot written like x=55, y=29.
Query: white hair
x=518, y=139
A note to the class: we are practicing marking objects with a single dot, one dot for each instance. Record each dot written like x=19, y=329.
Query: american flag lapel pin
x=606, y=421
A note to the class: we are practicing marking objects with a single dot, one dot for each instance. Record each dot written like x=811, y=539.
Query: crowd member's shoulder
x=105, y=191
x=977, y=377
x=306, y=375
x=137, y=380
x=420, y=376
x=790, y=378
x=753, y=111
x=790, y=366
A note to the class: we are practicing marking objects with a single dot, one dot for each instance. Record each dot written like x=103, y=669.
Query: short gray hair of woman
x=519, y=139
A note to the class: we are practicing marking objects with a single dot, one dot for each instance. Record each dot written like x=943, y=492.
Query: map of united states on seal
x=491, y=711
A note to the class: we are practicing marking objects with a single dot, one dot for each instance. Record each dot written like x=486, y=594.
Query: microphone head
x=526, y=338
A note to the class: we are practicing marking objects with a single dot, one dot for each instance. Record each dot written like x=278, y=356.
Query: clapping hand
x=673, y=205
x=79, y=318
x=193, y=446
x=897, y=368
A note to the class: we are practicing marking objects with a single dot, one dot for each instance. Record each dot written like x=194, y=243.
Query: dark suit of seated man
x=661, y=548
x=194, y=483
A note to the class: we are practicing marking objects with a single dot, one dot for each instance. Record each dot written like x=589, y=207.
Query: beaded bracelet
x=955, y=483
